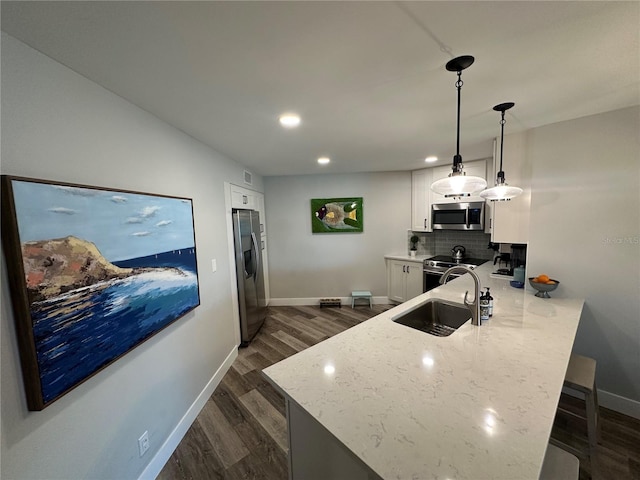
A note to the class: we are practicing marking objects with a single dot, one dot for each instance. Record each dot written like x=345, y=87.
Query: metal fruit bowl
x=544, y=288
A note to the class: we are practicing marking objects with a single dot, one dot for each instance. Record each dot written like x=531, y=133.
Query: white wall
x=306, y=265
x=58, y=125
x=585, y=231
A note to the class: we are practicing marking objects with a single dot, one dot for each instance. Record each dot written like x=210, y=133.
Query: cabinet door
x=476, y=169
x=396, y=280
x=420, y=200
x=439, y=173
x=242, y=198
x=259, y=205
x=261, y=211
x=414, y=280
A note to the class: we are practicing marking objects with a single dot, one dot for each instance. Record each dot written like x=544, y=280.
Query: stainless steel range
x=434, y=267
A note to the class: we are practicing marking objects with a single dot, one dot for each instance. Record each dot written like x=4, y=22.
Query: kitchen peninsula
x=382, y=400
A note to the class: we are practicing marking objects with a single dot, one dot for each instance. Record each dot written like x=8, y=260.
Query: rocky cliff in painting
x=53, y=267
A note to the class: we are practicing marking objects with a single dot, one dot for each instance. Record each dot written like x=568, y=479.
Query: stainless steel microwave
x=458, y=216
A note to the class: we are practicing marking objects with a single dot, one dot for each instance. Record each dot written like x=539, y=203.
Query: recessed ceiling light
x=289, y=120
x=431, y=159
x=324, y=160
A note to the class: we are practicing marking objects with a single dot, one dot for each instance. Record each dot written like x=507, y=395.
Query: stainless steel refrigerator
x=249, y=272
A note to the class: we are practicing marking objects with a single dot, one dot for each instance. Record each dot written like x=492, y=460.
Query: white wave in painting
x=148, y=285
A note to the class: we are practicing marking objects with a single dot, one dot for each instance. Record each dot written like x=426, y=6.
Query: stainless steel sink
x=437, y=317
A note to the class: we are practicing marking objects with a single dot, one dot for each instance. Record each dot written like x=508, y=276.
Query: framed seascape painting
x=93, y=272
x=336, y=215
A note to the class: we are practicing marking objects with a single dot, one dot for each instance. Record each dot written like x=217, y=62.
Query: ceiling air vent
x=248, y=178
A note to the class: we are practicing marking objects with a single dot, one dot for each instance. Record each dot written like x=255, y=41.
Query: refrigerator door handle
x=256, y=255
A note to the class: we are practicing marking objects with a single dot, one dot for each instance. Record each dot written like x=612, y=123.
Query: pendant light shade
x=458, y=184
x=502, y=191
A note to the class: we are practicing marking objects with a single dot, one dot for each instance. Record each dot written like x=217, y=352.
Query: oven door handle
x=466, y=217
x=439, y=274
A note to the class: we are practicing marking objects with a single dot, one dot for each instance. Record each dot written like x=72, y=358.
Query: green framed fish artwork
x=336, y=215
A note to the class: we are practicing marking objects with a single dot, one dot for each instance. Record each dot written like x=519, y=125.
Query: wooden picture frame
x=93, y=272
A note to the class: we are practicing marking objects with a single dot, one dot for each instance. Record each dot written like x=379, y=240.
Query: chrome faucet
x=475, y=305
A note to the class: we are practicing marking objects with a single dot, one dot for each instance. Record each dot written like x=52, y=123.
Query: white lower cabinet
x=404, y=280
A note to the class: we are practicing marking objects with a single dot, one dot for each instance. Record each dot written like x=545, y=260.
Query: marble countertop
x=477, y=404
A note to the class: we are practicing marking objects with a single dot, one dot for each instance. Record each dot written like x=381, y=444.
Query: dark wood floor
x=241, y=432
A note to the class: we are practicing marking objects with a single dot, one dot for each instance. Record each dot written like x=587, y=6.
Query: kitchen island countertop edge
x=477, y=404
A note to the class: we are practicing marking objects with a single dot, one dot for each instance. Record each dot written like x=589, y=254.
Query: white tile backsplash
x=441, y=242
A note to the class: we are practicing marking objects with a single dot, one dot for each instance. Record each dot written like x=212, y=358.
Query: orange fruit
x=543, y=278
x=550, y=282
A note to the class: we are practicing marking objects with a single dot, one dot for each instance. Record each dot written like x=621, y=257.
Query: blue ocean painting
x=91, y=300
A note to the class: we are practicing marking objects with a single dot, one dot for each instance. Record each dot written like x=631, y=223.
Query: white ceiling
x=368, y=78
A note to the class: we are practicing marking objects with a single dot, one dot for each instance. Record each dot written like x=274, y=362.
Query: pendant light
x=458, y=184
x=501, y=191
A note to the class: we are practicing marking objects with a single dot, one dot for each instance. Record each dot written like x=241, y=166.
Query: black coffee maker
x=518, y=255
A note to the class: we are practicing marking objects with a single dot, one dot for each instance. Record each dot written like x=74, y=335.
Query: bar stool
x=559, y=465
x=581, y=376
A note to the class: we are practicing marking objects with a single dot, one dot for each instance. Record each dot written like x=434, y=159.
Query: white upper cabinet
x=243, y=198
x=420, y=200
x=509, y=222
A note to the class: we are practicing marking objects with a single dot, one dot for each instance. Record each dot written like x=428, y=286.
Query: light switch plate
x=214, y=265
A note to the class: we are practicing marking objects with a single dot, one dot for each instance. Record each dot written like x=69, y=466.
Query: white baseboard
x=614, y=402
x=159, y=460
x=619, y=404
x=346, y=301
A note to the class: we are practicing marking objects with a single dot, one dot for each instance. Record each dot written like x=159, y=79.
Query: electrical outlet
x=143, y=443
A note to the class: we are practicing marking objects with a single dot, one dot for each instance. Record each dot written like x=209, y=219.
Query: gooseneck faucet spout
x=475, y=305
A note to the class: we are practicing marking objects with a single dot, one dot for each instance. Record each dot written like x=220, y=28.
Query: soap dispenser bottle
x=490, y=299
x=484, y=307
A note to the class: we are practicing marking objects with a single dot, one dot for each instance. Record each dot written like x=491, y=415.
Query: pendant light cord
x=502, y=122
x=501, y=172
x=458, y=159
